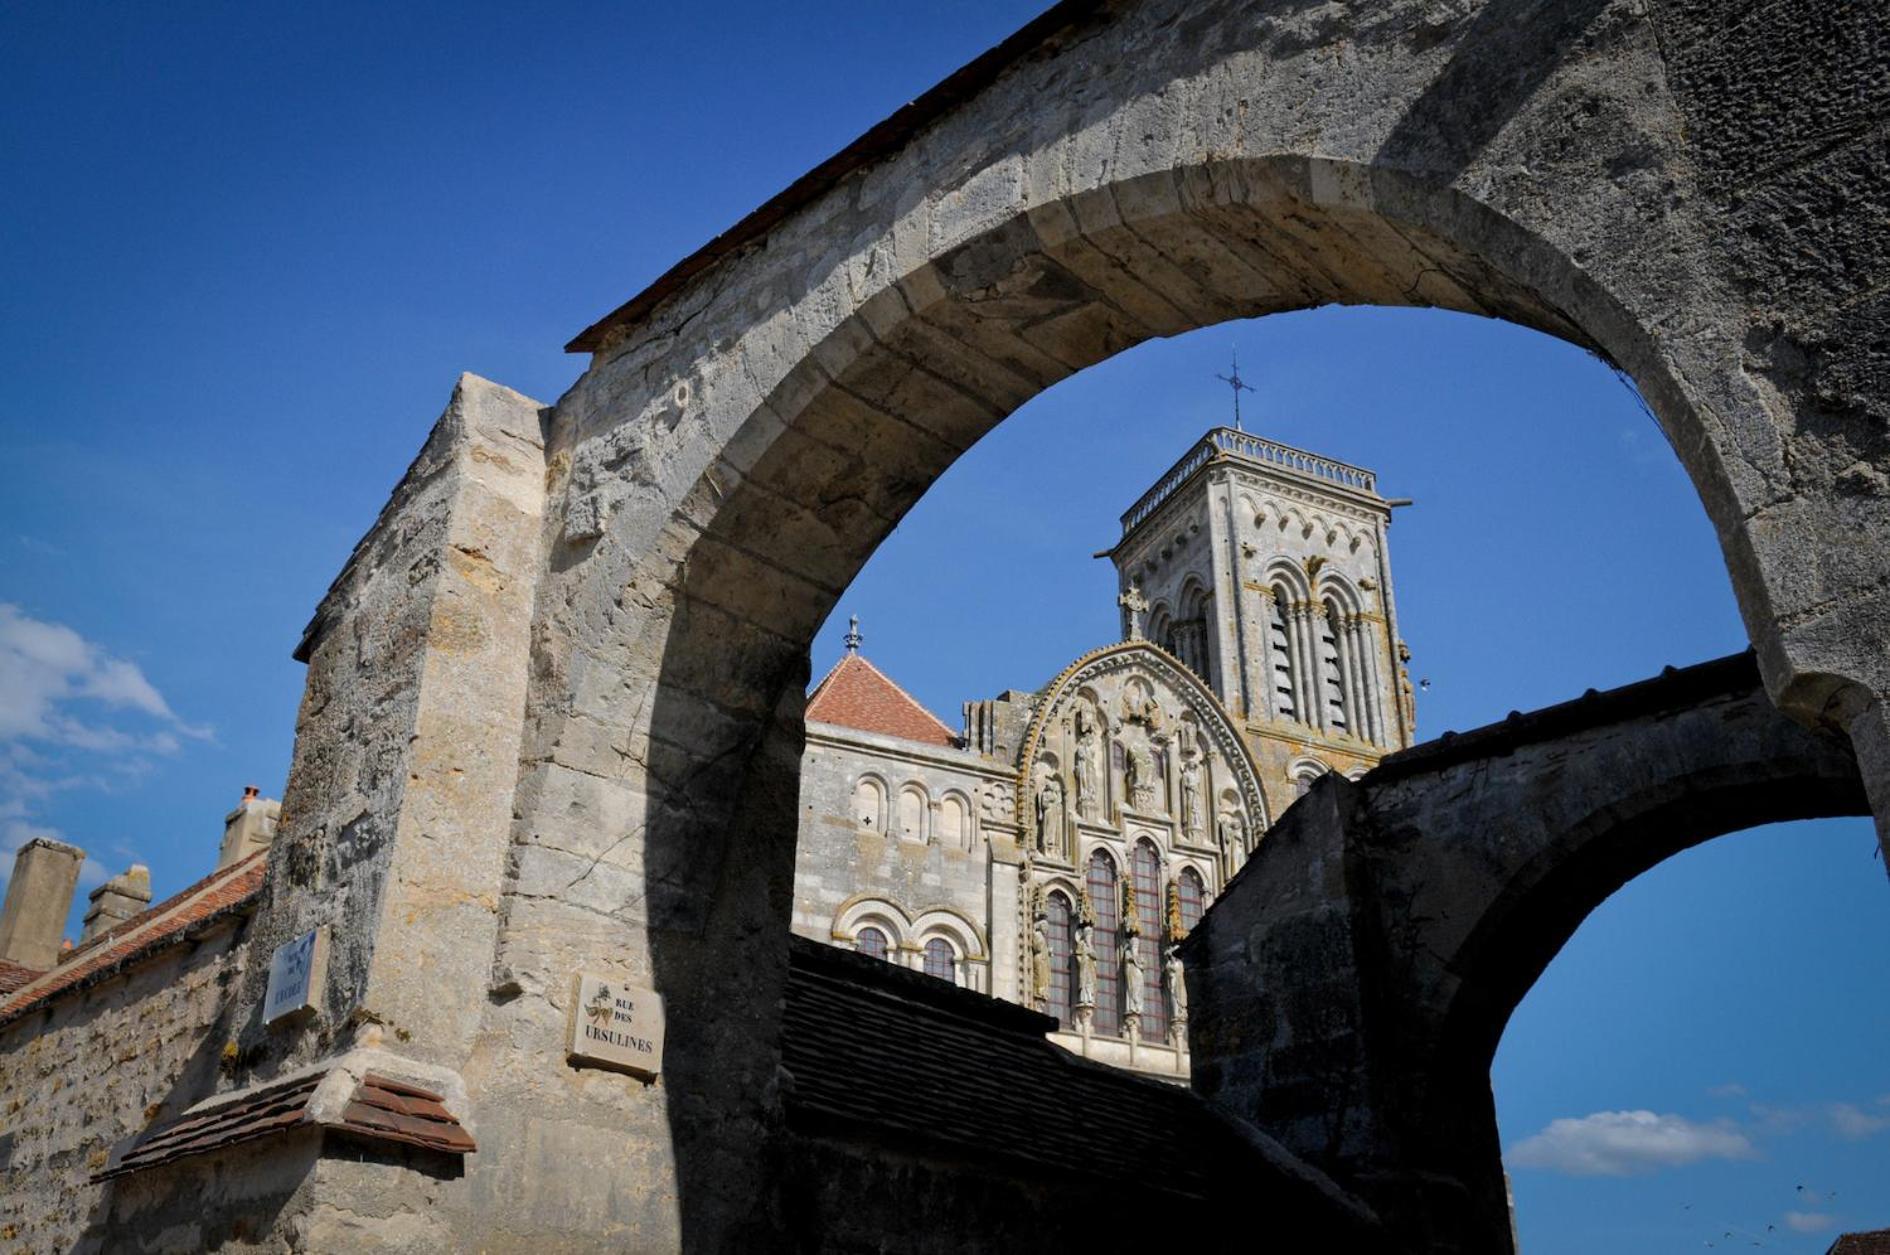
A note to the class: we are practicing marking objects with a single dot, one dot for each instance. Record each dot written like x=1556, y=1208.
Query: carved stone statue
x=1409, y=715
x=1088, y=760
x=1139, y=775
x=1050, y=815
x=1191, y=796
x=1177, y=990
x=1233, y=832
x=1131, y=981
x=1040, y=963
x=1085, y=967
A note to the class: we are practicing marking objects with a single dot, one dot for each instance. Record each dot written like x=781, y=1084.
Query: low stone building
x=1056, y=849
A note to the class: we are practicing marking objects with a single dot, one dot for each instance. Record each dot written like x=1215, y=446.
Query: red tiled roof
x=380, y=1108
x=1876, y=1242
x=13, y=975
x=856, y=694
x=222, y=890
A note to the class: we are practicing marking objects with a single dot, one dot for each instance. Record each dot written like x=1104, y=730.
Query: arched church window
x=869, y=804
x=1280, y=651
x=870, y=941
x=940, y=961
x=1148, y=940
x=1057, y=914
x=1191, y=898
x=1106, y=901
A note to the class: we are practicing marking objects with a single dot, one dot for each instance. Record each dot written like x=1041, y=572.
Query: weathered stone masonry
x=553, y=716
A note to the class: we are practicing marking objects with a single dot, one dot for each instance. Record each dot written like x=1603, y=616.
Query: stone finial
x=853, y=640
x=117, y=900
x=39, y=896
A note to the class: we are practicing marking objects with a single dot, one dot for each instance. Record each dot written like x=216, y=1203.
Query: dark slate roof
x=897, y=1057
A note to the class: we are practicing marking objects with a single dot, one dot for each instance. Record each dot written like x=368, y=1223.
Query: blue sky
x=248, y=248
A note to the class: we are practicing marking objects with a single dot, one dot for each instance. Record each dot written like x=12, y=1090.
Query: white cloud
x=1853, y=1123
x=72, y=716
x=46, y=667
x=1616, y=1143
x=1808, y=1221
x=1732, y=1089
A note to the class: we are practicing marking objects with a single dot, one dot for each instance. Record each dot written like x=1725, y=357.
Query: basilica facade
x=1054, y=848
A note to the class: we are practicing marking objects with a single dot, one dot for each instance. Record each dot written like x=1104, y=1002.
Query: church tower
x=1264, y=569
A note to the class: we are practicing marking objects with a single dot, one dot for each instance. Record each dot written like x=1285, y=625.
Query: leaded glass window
x=1106, y=901
x=871, y=941
x=1148, y=942
x=1191, y=897
x=1062, y=956
x=940, y=961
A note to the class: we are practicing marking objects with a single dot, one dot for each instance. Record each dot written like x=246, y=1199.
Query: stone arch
x=864, y=910
x=751, y=428
x=1462, y=881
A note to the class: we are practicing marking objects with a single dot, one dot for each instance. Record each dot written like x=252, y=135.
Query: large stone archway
x=1361, y=969
x=755, y=424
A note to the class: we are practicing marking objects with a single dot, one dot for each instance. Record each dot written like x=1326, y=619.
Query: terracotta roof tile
x=380, y=1108
x=222, y=890
x=856, y=694
x=1876, y=1242
x=13, y=975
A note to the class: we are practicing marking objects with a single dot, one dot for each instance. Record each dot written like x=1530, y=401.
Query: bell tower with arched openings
x=1264, y=568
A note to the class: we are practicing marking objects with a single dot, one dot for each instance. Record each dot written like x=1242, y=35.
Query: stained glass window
x=871, y=941
x=1191, y=896
x=940, y=961
x=1062, y=955
x=1148, y=944
x=1106, y=902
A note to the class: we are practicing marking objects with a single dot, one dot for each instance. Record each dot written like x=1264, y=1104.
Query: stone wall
x=841, y=862
x=98, y=1064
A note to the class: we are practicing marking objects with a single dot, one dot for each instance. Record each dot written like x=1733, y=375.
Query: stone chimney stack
x=250, y=827
x=117, y=900
x=39, y=897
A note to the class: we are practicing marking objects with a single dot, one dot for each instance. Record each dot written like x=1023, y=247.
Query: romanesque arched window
x=1057, y=915
x=940, y=961
x=1105, y=900
x=1147, y=867
x=1190, y=898
x=871, y=941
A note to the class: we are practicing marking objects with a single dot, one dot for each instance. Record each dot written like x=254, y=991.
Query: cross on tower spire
x=1239, y=386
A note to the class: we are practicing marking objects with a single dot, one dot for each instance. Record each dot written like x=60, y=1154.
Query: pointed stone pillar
x=398, y=809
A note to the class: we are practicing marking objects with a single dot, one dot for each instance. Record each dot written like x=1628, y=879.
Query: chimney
x=39, y=897
x=117, y=900
x=250, y=827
